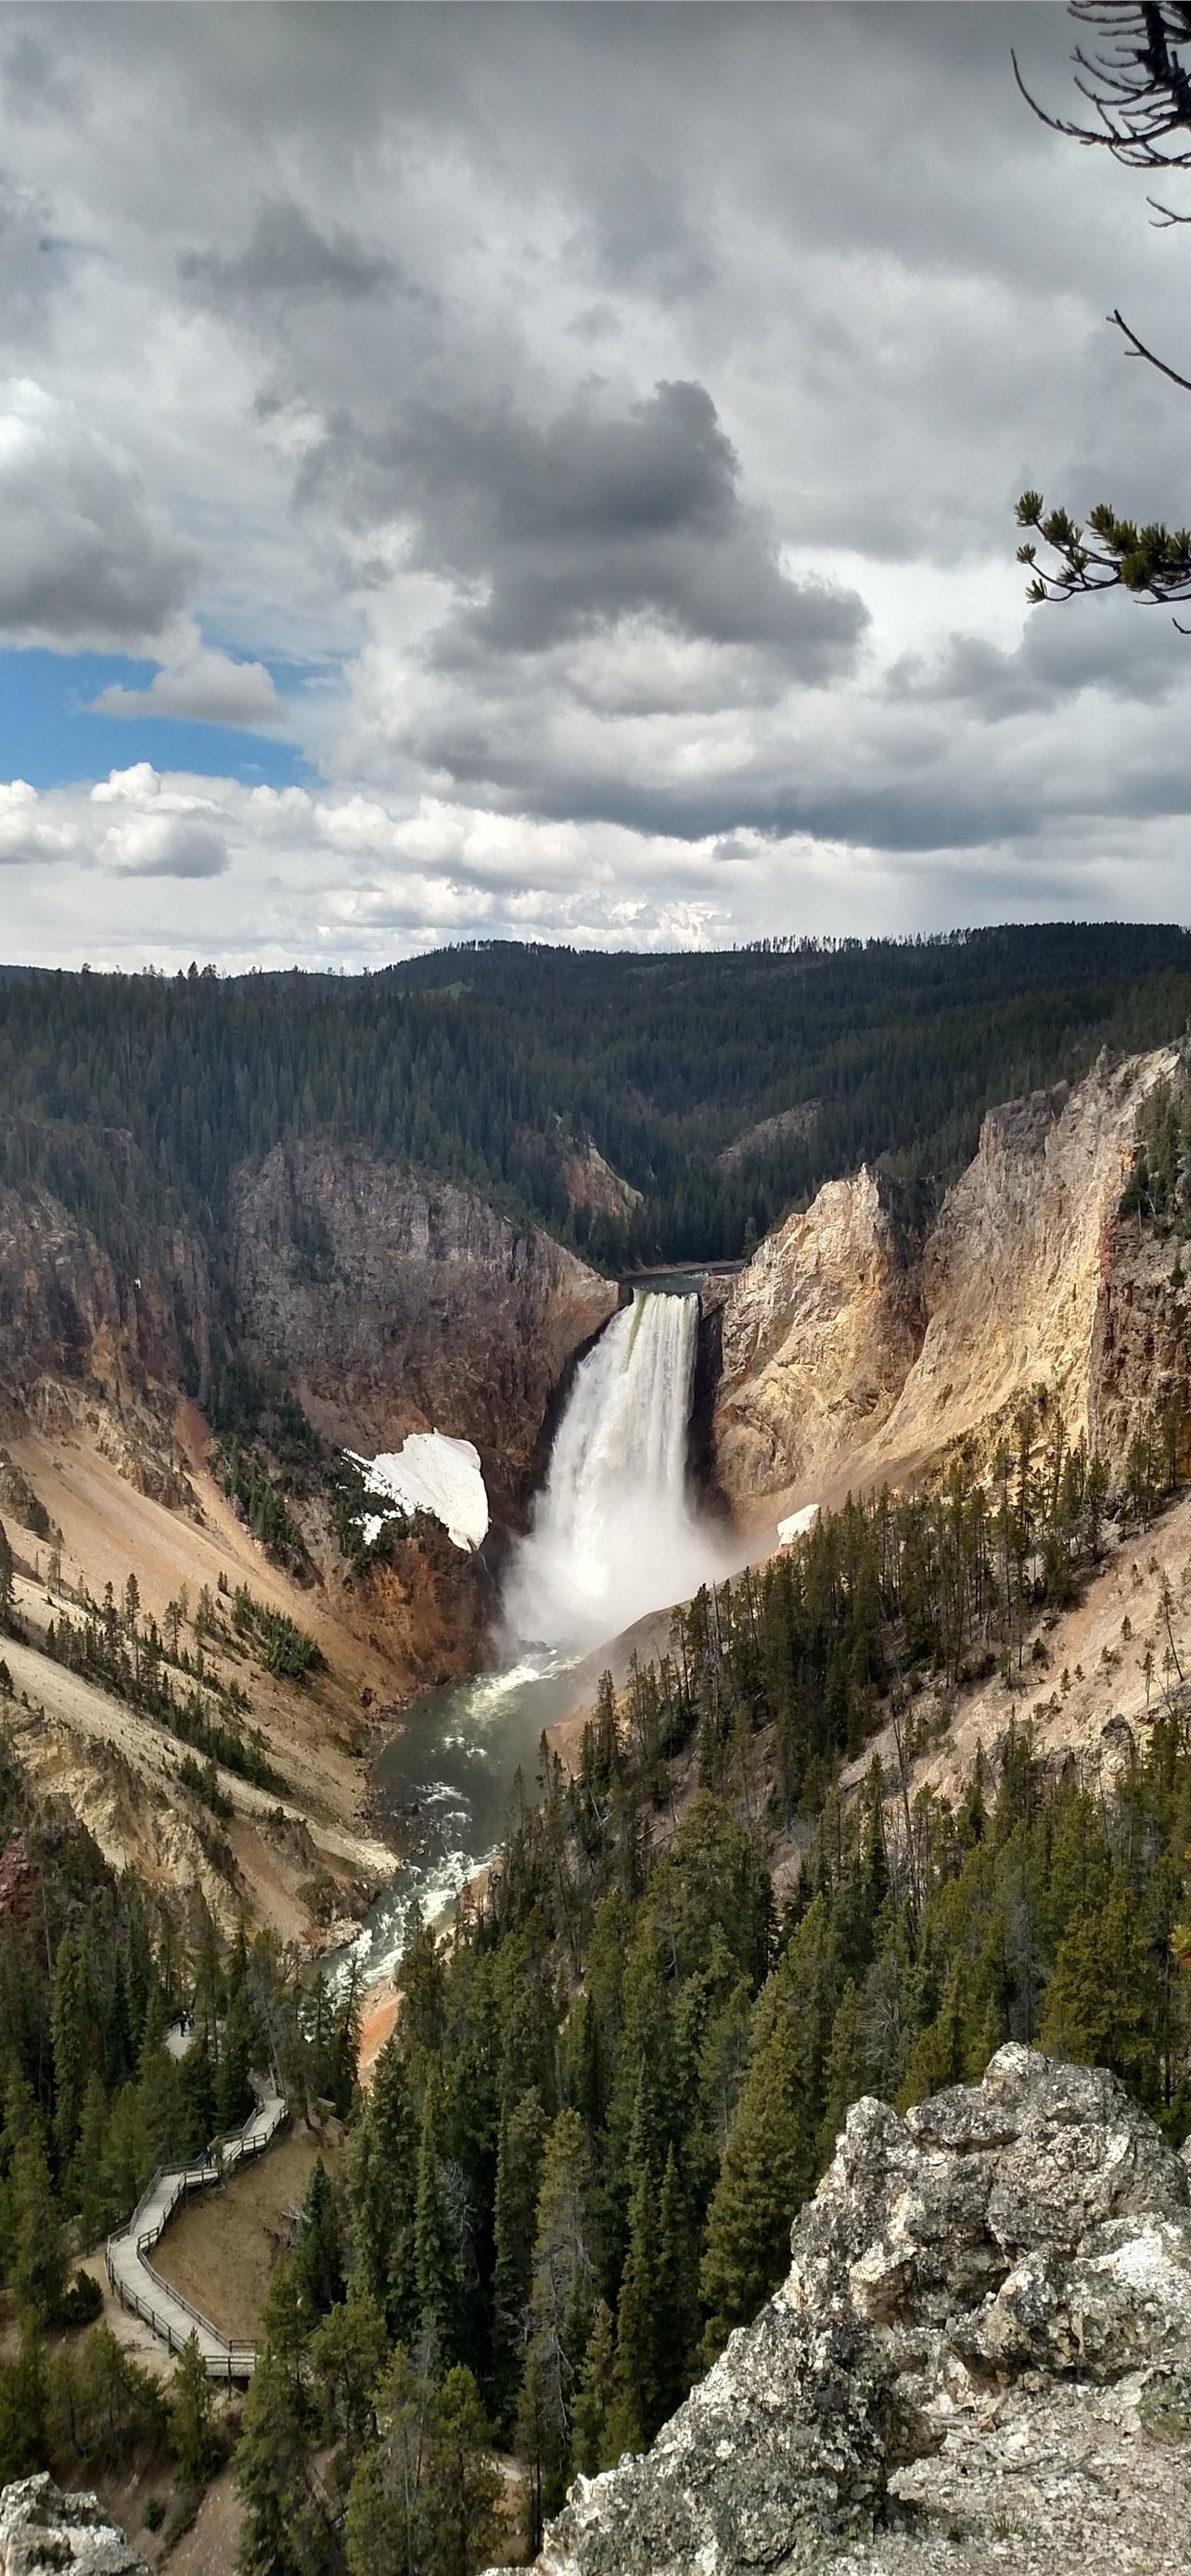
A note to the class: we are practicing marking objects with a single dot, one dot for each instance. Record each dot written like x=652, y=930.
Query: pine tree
x=192, y=2437
x=271, y=2479
x=318, y=2253
x=847, y=2072
x=590, y=2451
x=70, y=2028
x=766, y=2173
x=384, y=2524
x=1102, y=2003
x=518, y=2179
x=88, y=2188
x=346, y=2357
x=23, y=2406
x=434, y=2253
x=39, y=2258
x=677, y=2289
x=560, y=2304
x=381, y=2192
x=460, y=2482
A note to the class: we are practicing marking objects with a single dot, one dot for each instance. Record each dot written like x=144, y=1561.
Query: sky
x=548, y=472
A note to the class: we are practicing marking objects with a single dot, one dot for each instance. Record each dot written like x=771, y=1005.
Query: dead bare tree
x=1130, y=71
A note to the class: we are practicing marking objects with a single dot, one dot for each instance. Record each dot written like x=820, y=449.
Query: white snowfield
x=430, y=1473
x=797, y=1524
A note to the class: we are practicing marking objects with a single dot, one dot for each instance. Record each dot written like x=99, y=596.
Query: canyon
x=850, y=1350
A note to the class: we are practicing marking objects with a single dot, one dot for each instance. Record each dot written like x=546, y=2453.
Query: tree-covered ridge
x=611, y=2088
x=134, y=1098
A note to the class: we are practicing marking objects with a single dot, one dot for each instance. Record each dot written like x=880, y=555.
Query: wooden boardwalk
x=133, y=2279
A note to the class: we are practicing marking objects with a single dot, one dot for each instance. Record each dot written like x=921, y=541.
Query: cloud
x=560, y=529
x=200, y=686
x=159, y=828
x=620, y=413
x=28, y=834
x=88, y=558
x=288, y=258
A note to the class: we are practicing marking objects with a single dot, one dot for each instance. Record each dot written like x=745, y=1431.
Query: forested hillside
x=135, y=1097
x=608, y=2093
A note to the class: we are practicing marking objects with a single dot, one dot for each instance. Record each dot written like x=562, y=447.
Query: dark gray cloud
x=286, y=258
x=88, y=557
x=559, y=528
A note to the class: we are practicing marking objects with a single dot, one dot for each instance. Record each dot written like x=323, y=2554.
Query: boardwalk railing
x=163, y=2309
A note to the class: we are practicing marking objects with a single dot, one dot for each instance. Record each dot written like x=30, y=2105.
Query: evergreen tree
x=590, y=2451
x=347, y=2356
x=381, y=2192
x=518, y=2179
x=318, y=2252
x=560, y=2307
x=434, y=2253
x=192, y=2436
x=39, y=2259
x=461, y=2482
x=70, y=2030
x=1102, y=2002
x=88, y=2185
x=766, y=2173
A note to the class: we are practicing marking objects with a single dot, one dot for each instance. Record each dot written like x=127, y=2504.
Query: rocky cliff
x=42, y=2530
x=78, y=1341
x=981, y=2357
x=847, y=1359
x=397, y=1304
x=818, y=1335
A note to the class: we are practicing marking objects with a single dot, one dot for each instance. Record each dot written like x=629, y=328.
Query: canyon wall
x=848, y=1359
x=818, y=1334
x=398, y=1304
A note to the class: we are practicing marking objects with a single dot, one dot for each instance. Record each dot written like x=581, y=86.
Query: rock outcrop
x=846, y=1361
x=398, y=1304
x=981, y=2356
x=818, y=1335
x=43, y=2533
x=67, y=1312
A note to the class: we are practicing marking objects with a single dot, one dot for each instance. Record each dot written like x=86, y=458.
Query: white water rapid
x=614, y=1532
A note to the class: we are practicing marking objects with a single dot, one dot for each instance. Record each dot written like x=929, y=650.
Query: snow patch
x=430, y=1473
x=797, y=1525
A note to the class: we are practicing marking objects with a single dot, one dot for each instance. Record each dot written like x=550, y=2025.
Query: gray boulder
x=46, y=2533
x=1001, y=2278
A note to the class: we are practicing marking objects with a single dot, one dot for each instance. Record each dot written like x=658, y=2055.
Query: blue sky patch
x=48, y=737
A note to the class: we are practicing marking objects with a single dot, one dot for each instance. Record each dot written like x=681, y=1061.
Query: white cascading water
x=614, y=1534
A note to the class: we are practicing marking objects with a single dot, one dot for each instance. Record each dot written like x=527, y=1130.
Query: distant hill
x=474, y=1061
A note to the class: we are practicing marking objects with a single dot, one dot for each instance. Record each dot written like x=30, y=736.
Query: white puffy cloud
x=30, y=834
x=158, y=828
x=198, y=683
x=266, y=876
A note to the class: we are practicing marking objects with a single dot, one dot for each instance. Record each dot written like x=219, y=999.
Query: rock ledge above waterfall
x=980, y=2360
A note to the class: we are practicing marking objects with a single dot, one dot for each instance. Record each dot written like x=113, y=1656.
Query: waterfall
x=614, y=1533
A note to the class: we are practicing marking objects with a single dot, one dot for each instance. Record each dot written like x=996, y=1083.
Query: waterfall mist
x=614, y=1531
